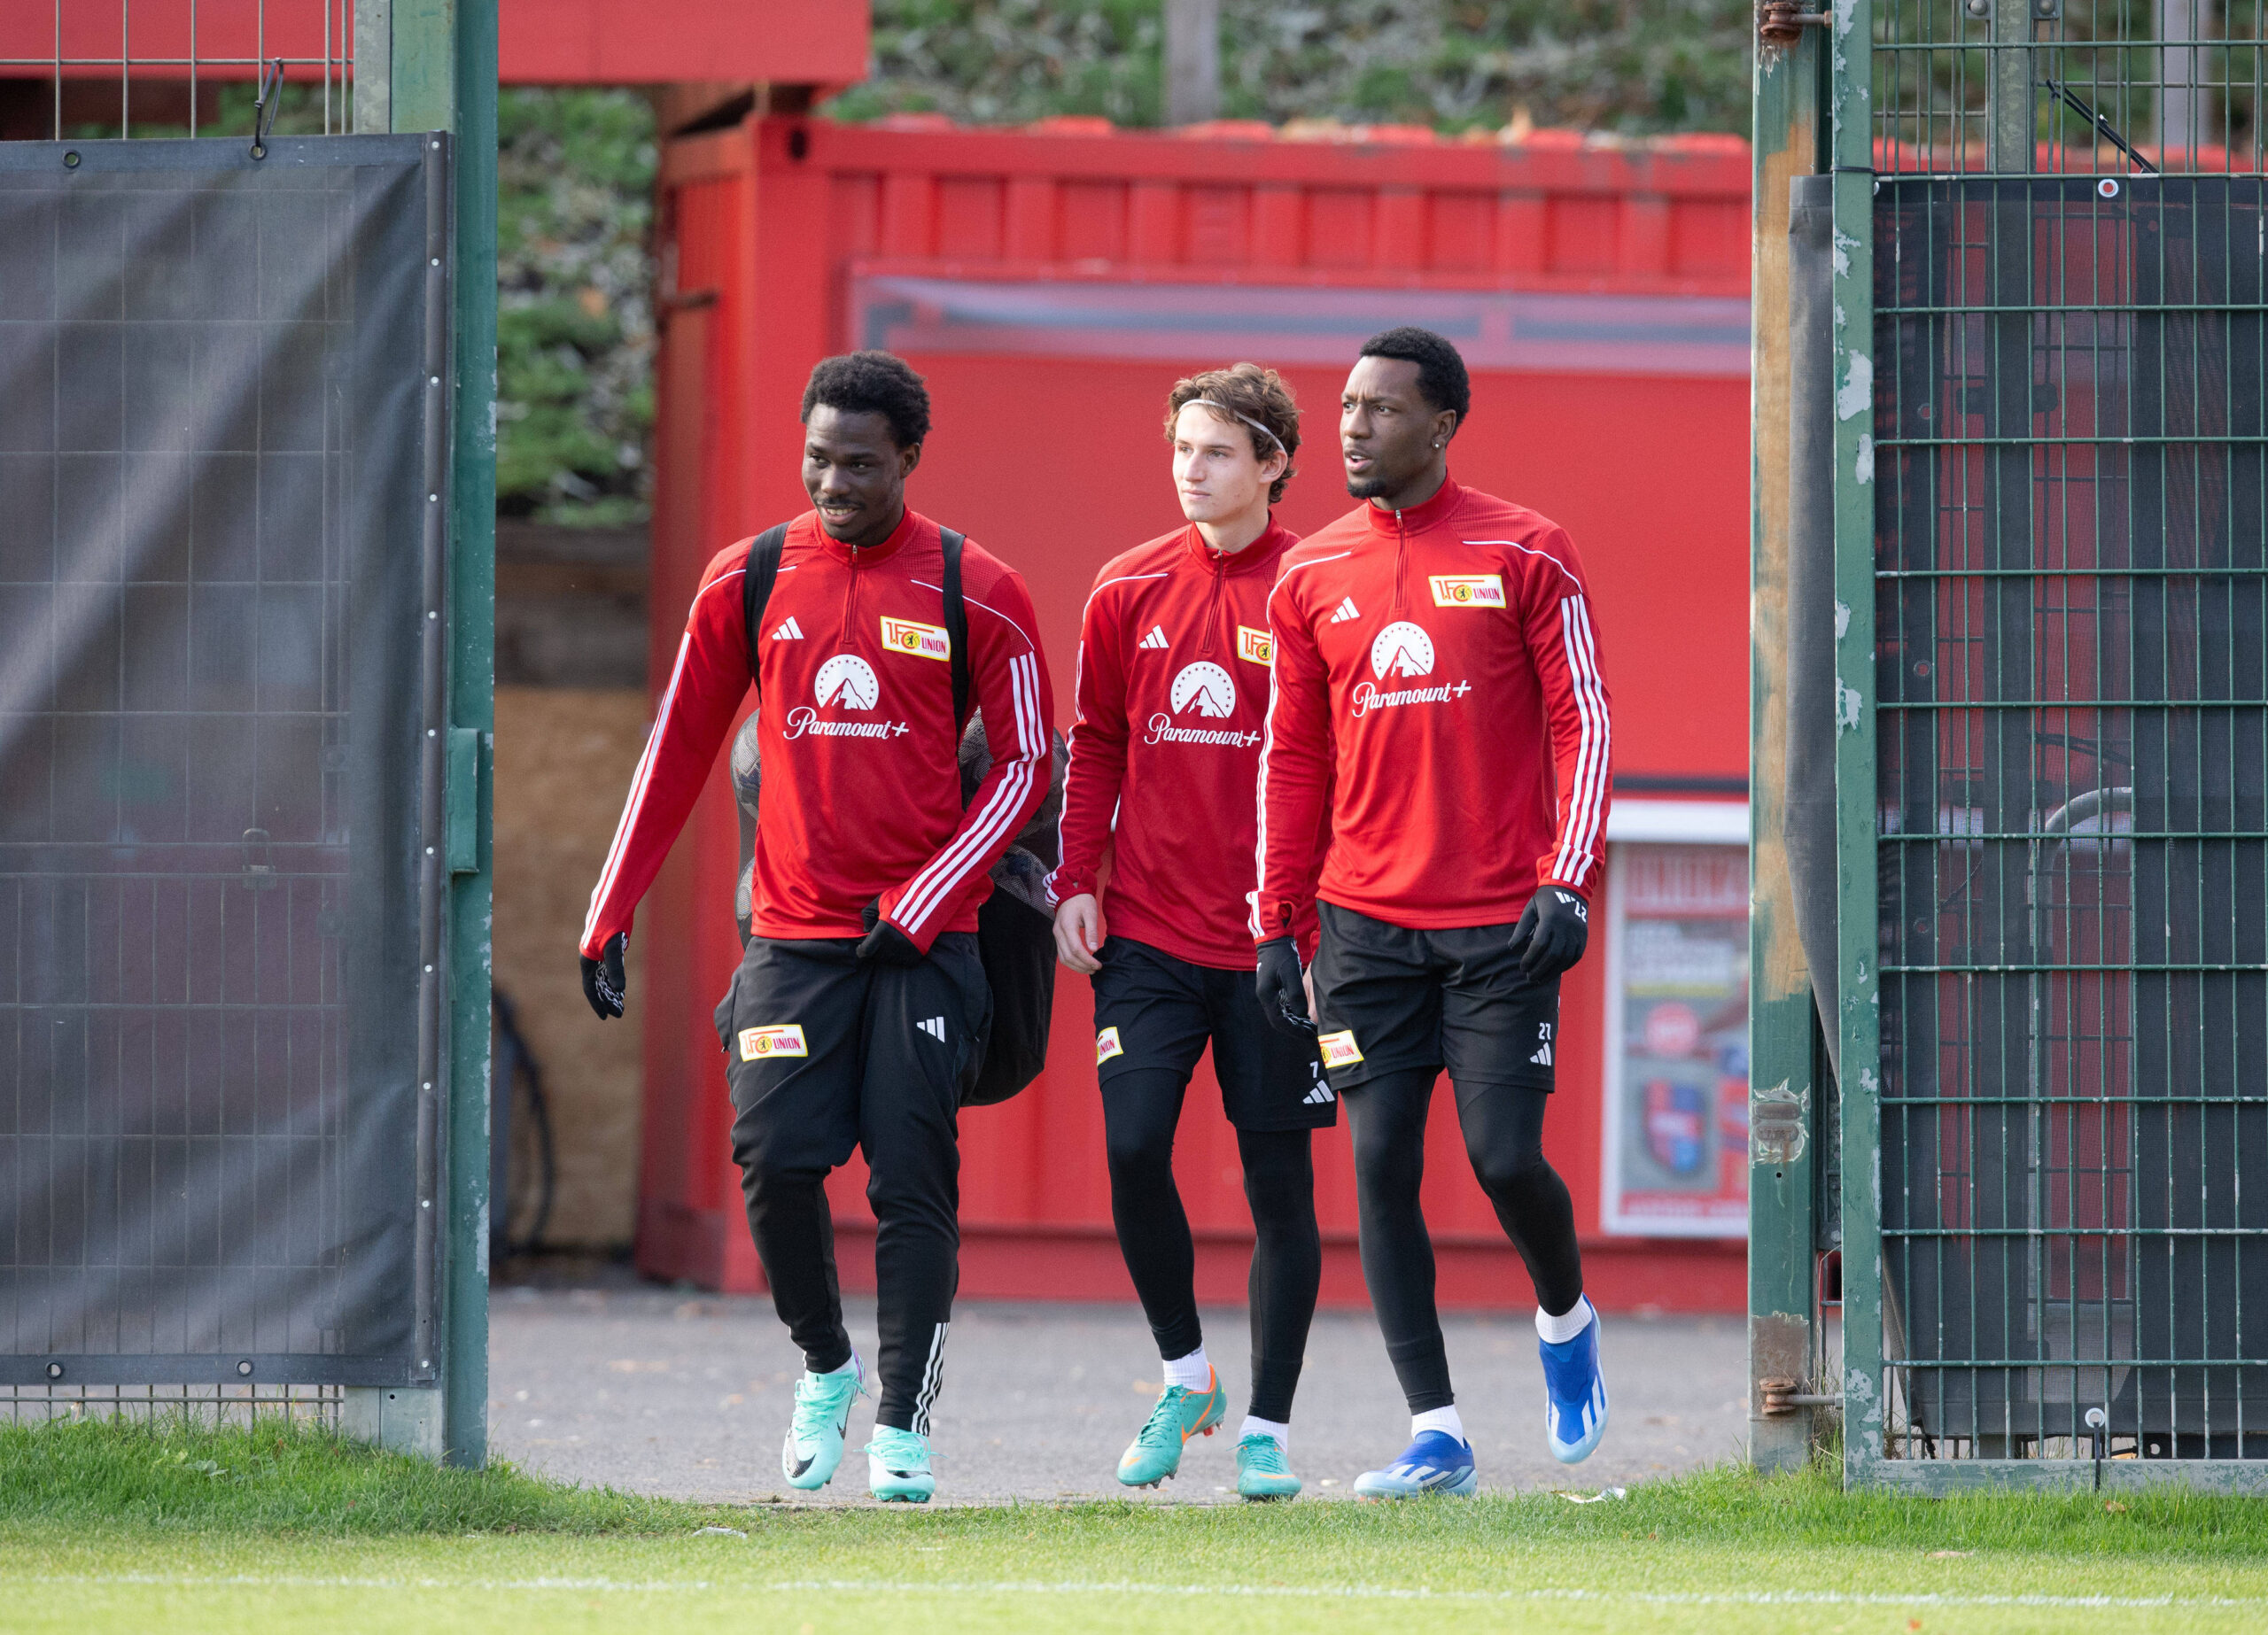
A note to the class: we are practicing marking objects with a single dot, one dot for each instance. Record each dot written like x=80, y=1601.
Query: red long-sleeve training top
x=1437, y=674
x=1172, y=694
x=861, y=795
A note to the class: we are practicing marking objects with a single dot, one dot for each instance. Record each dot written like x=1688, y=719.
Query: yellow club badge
x=1467, y=590
x=921, y=641
x=759, y=1045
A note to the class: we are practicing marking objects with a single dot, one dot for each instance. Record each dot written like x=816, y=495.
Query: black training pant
x=825, y=1054
x=1155, y=1015
x=1406, y=1001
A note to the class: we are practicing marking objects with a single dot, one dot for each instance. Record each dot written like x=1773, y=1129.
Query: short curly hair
x=871, y=382
x=1250, y=394
x=1441, y=379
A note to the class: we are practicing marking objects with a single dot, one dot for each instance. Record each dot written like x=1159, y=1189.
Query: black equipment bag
x=1015, y=932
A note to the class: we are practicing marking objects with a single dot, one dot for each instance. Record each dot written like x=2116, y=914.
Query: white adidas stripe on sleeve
x=1586, y=798
x=937, y=884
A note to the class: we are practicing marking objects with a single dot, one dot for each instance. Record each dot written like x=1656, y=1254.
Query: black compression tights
x=1140, y=1114
x=1504, y=1137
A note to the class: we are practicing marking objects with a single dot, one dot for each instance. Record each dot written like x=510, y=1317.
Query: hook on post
x=263, y=108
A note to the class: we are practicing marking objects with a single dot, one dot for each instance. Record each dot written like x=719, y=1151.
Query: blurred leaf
x=574, y=323
x=1636, y=66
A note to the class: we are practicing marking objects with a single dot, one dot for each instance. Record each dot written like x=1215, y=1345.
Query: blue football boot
x=1434, y=1462
x=1574, y=1401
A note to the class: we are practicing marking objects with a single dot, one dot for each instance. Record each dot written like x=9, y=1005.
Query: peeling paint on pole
x=1856, y=394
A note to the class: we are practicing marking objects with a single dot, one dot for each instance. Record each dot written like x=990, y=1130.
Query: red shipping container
x=1051, y=284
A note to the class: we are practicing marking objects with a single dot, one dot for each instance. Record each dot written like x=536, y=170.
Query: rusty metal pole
x=1784, y=1103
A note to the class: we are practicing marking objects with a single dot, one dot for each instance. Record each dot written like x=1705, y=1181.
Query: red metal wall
x=1595, y=286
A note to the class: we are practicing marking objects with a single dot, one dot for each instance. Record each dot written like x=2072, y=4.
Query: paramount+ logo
x=1401, y=652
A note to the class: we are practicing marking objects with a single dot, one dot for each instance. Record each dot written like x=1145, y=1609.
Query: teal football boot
x=898, y=1466
x=1155, y=1453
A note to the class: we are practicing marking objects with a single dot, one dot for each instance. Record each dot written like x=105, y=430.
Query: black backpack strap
x=957, y=624
x=755, y=588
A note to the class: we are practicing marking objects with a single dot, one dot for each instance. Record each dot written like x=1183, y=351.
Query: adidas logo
x=935, y=1026
x=1345, y=611
x=1318, y=1096
x=789, y=631
x=1156, y=637
x=1543, y=1057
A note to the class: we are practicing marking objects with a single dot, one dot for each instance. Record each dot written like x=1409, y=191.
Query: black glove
x=884, y=943
x=1552, y=934
x=604, y=983
x=1283, y=1000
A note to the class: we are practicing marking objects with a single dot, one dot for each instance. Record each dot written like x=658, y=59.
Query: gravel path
x=684, y=1394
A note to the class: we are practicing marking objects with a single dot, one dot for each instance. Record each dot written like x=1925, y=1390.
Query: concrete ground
x=667, y=1392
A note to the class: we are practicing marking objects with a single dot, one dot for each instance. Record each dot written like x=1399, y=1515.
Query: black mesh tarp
x=217, y=441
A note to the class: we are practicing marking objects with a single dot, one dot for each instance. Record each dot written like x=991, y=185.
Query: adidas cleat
x=1434, y=1462
x=1574, y=1402
x=1262, y=1469
x=898, y=1466
x=814, y=1444
x=1155, y=1453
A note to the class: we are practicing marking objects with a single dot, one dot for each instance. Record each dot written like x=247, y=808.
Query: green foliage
x=574, y=321
x=1628, y=65
x=1011, y=61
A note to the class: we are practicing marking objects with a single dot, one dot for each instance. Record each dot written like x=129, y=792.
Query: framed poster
x=1676, y=1108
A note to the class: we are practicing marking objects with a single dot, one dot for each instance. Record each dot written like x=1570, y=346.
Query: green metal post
x=472, y=685
x=1782, y=1343
x=430, y=66
x=1858, y=895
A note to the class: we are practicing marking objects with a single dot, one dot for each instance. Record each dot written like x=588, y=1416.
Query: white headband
x=1224, y=409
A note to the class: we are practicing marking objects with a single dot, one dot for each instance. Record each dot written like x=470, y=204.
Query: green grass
x=103, y=1527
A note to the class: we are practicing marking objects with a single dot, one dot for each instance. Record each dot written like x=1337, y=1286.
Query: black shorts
x=1154, y=1011
x=1388, y=999
x=825, y=1052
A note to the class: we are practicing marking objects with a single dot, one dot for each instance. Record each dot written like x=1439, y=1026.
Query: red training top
x=861, y=795
x=1438, y=669
x=1165, y=754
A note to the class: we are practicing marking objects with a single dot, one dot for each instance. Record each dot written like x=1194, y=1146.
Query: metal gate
x=246, y=463
x=2051, y=553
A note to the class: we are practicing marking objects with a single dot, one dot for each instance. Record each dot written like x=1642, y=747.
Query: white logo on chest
x=847, y=680
x=1401, y=650
x=1212, y=689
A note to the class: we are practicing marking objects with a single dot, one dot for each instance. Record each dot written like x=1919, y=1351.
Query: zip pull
x=1212, y=607
x=1400, y=558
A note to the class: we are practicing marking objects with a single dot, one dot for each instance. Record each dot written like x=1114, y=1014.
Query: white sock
x=1560, y=1329
x=1194, y=1372
x=1444, y=1420
x=850, y=1366
x=1280, y=1434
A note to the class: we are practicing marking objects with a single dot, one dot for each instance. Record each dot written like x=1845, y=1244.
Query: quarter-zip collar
x=1417, y=518
x=1273, y=540
x=1218, y=565
x=870, y=554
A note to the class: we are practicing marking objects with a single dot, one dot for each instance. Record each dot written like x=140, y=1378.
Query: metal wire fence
x=2071, y=618
x=178, y=68
x=2069, y=85
x=243, y=1406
